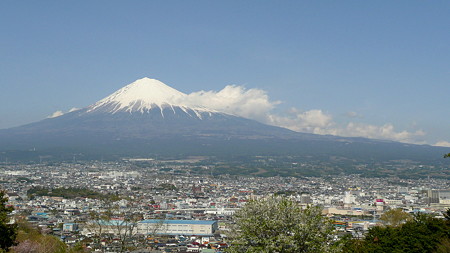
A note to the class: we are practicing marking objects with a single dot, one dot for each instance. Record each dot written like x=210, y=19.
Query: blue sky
x=377, y=69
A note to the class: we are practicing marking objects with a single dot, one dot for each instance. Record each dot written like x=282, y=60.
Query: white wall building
x=178, y=227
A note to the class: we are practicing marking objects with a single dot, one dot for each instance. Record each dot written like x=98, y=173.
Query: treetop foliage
x=32, y=240
x=422, y=233
x=278, y=224
x=395, y=217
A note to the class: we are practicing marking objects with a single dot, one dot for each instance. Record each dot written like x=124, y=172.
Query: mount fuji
x=147, y=117
x=144, y=116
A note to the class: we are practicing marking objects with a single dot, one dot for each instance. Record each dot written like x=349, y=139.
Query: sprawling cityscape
x=170, y=208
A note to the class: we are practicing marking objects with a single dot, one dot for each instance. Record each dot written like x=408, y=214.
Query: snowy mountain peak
x=150, y=90
x=144, y=95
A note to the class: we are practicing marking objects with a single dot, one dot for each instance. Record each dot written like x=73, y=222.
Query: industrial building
x=178, y=227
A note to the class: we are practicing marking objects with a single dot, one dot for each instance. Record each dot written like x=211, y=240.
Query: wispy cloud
x=385, y=132
x=353, y=115
x=55, y=114
x=60, y=113
x=74, y=109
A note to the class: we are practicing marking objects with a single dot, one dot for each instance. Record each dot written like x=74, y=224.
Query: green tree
x=395, y=217
x=31, y=240
x=8, y=232
x=278, y=224
x=423, y=233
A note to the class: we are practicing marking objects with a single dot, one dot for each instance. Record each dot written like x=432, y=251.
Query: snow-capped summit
x=144, y=95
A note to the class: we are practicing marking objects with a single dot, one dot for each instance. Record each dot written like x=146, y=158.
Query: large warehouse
x=178, y=227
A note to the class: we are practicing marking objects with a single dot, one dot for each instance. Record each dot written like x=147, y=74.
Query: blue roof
x=192, y=222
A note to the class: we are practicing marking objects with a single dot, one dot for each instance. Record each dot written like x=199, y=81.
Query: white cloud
x=56, y=114
x=312, y=121
x=442, y=144
x=256, y=104
x=236, y=100
x=318, y=122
